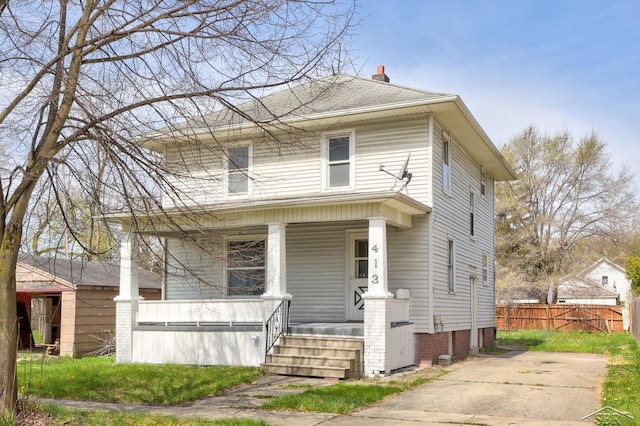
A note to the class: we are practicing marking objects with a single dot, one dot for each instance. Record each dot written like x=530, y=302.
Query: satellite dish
x=403, y=174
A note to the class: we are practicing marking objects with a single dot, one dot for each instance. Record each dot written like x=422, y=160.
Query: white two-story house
x=364, y=212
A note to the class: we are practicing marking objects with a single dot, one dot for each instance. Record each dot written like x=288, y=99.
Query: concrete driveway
x=518, y=388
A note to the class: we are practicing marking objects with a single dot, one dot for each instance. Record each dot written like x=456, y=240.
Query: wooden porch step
x=334, y=342
x=319, y=351
x=306, y=370
x=324, y=361
x=314, y=356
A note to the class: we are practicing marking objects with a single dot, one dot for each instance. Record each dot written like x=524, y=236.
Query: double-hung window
x=485, y=267
x=472, y=214
x=446, y=163
x=483, y=182
x=245, y=265
x=451, y=283
x=238, y=164
x=339, y=167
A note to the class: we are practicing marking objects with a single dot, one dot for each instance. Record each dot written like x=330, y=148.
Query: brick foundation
x=460, y=343
x=429, y=346
x=489, y=337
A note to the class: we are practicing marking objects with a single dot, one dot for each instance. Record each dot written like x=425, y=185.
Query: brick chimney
x=380, y=76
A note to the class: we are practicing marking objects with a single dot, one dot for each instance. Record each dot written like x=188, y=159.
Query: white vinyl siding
x=408, y=266
x=295, y=167
x=316, y=263
x=381, y=145
x=452, y=221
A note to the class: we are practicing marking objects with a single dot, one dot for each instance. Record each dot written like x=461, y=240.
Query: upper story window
x=446, y=162
x=339, y=164
x=245, y=265
x=605, y=280
x=238, y=164
x=483, y=182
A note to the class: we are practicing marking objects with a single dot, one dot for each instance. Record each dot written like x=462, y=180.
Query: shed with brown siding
x=71, y=302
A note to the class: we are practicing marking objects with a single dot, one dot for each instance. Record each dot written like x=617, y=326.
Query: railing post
x=277, y=325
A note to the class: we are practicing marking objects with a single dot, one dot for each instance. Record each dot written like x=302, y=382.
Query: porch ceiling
x=397, y=208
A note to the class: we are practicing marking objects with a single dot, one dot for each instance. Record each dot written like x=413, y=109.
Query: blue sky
x=559, y=65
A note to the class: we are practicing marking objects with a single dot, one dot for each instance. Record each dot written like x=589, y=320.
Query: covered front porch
x=242, y=330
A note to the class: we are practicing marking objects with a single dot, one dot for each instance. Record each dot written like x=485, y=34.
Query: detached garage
x=70, y=302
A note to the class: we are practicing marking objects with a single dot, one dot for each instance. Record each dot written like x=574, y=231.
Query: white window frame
x=472, y=214
x=248, y=172
x=446, y=162
x=485, y=267
x=451, y=266
x=483, y=182
x=248, y=238
x=326, y=164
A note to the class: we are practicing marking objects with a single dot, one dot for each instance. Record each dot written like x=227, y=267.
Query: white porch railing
x=399, y=311
x=199, y=312
x=401, y=334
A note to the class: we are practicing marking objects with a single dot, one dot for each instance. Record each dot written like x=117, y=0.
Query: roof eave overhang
x=397, y=207
x=450, y=109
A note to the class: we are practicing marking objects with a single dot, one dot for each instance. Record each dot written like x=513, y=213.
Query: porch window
x=451, y=267
x=245, y=267
x=339, y=161
x=238, y=170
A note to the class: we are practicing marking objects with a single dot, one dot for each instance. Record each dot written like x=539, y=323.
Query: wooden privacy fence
x=635, y=318
x=592, y=318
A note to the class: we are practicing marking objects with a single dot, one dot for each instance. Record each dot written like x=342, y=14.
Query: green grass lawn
x=101, y=379
x=64, y=416
x=346, y=396
x=621, y=388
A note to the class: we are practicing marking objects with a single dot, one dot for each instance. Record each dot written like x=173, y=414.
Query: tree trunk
x=8, y=320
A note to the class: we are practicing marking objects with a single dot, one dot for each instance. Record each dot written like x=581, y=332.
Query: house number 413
x=375, y=279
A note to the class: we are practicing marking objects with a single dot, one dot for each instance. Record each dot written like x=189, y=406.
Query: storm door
x=358, y=261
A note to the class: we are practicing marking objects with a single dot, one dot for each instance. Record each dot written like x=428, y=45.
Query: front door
x=358, y=273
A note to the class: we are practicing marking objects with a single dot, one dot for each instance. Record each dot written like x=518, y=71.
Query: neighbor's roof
x=584, y=291
x=340, y=100
x=56, y=273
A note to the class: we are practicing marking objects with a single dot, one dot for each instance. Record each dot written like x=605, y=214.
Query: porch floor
x=347, y=329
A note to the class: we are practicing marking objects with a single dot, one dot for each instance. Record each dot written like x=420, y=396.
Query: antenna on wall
x=402, y=176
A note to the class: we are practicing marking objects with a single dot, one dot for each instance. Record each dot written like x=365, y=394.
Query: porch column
x=377, y=325
x=378, y=276
x=128, y=298
x=276, y=279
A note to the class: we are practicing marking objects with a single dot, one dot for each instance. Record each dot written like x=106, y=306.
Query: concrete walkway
x=517, y=388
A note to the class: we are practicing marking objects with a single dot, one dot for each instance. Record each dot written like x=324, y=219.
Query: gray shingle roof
x=330, y=94
x=83, y=273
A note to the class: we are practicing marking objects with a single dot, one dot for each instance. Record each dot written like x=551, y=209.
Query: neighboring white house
x=373, y=211
x=603, y=283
